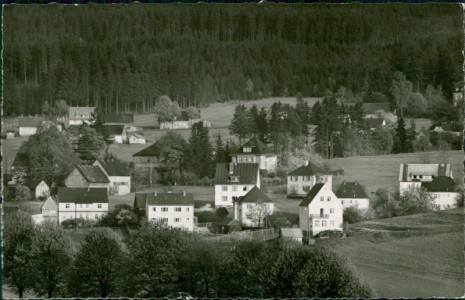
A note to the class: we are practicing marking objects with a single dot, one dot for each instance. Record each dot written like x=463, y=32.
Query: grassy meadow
x=421, y=257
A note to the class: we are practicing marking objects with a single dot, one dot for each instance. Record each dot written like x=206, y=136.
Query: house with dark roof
x=352, y=194
x=233, y=180
x=38, y=188
x=301, y=180
x=443, y=190
x=29, y=125
x=120, y=179
x=88, y=203
x=373, y=123
x=118, y=119
x=147, y=158
x=320, y=210
x=80, y=115
x=254, y=151
x=176, y=210
x=87, y=176
x=252, y=208
x=116, y=133
x=410, y=175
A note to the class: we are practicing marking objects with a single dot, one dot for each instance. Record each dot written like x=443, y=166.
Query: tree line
x=156, y=262
x=122, y=58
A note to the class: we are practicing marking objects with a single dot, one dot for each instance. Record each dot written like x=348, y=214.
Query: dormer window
x=234, y=178
x=247, y=149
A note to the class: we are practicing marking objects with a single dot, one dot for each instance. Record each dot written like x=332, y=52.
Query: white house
x=352, y=194
x=411, y=173
x=136, y=139
x=117, y=133
x=38, y=188
x=443, y=191
x=233, y=180
x=82, y=203
x=174, y=209
x=29, y=125
x=320, y=210
x=301, y=180
x=80, y=115
x=252, y=208
x=88, y=176
x=49, y=212
x=254, y=151
x=120, y=180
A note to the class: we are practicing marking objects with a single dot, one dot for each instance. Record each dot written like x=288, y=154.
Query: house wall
x=27, y=131
x=90, y=211
x=177, y=219
x=312, y=219
x=236, y=190
x=119, y=139
x=298, y=184
x=245, y=210
x=445, y=200
x=134, y=140
x=120, y=185
x=360, y=203
x=42, y=190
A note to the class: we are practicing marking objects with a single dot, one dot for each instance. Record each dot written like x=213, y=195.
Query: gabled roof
x=440, y=184
x=114, y=129
x=424, y=169
x=170, y=199
x=152, y=150
x=82, y=195
x=246, y=172
x=257, y=147
x=33, y=183
x=307, y=170
x=295, y=233
x=80, y=113
x=255, y=195
x=371, y=108
x=30, y=121
x=373, y=122
x=113, y=169
x=136, y=135
x=50, y=204
x=312, y=194
x=118, y=118
x=92, y=174
x=351, y=190
x=140, y=200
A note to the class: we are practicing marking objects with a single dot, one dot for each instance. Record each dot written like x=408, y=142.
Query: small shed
x=229, y=225
x=137, y=139
x=10, y=135
x=38, y=188
x=294, y=234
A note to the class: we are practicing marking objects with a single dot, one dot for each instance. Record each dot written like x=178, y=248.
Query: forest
x=123, y=57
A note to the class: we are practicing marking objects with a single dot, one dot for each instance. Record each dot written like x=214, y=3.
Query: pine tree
x=401, y=140
x=219, y=150
x=240, y=124
x=198, y=157
x=412, y=135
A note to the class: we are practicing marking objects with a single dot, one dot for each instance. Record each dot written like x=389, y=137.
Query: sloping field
x=426, y=262
x=374, y=172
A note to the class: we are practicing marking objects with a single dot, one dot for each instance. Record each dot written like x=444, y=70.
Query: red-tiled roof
x=246, y=172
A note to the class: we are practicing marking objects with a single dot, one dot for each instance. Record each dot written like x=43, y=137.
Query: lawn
x=9, y=150
x=425, y=265
x=375, y=172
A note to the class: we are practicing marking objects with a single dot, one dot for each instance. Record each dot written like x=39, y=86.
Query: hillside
x=411, y=256
x=382, y=171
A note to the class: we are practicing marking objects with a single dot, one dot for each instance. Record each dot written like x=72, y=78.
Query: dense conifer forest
x=123, y=57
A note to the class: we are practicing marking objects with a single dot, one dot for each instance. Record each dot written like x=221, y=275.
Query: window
x=245, y=188
x=164, y=209
x=99, y=205
x=249, y=206
x=324, y=223
x=80, y=216
x=317, y=223
x=331, y=222
x=164, y=219
x=67, y=205
x=322, y=211
x=224, y=188
x=154, y=209
x=239, y=159
x=247, y=149
x=331, y=210
x=177, y=209
x=322, y=198
x=224, y=198
x=177, y=220
x=329, y=198
x=435, y=196
x=187, y=219
x=187, y=208
x=80, y=205
x=342, y=201
x=96, y=216
x=350, y=201
x=234, y=188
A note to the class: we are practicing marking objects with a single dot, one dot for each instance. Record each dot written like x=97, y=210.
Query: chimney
x=184, y=193
x=305, y=163
x=231, y=168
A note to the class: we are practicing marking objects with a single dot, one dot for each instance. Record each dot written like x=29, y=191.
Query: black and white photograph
x=232, y=150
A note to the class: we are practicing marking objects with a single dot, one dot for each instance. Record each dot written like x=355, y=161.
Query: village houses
x=320, y=210
x=29, y=125
x=117, y=133
x=252, y=208
x=80, y=115
x=39, y=189
x=254, y=151
x=87, y=176
x=120, y=179
x=233, y=180
x=89, y=203
x=301, y=180
x=49, y=212
x=352, y=194
x=176, y=210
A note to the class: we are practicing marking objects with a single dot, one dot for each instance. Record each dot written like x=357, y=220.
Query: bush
x=207, y=216
x=353, y=215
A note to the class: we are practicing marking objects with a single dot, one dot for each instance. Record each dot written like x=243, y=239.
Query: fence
x=257, y=235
